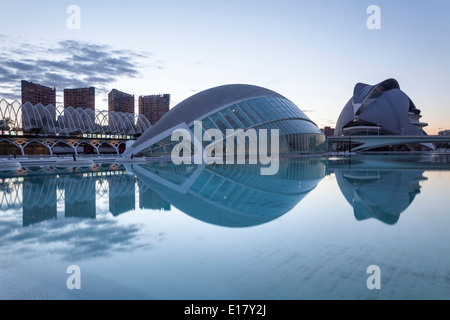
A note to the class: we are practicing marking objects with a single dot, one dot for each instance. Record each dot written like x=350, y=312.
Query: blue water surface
x=160, y=231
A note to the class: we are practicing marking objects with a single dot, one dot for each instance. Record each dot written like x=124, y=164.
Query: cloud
x=68, y=64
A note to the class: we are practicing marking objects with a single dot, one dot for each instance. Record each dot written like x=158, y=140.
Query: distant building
x=83, y=98
x=329, y=132
x=382, y=109
x=120, y=101
x=444, y=133
x=154, y=107
x=36, y=93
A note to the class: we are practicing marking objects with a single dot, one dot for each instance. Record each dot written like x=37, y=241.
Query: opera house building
x=382, y=109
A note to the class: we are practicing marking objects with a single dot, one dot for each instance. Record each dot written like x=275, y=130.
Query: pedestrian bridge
x=371, y=142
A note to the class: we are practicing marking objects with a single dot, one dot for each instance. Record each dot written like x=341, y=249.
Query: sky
x=311, y=52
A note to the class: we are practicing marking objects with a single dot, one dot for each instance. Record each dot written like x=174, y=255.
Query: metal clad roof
x=203, y=103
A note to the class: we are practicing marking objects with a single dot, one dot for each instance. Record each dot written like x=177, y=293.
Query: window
x=220, y=122
x=241, y=116
x=232, y=120
x=257, y=110
x=249, y=113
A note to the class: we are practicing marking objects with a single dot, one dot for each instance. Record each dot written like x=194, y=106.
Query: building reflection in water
x=379, y=190
x=149, y=199
x=41, y=192
x=122, y=190
x=232, y=195
x=39, y=199
x=79, y=197
x=379, y=187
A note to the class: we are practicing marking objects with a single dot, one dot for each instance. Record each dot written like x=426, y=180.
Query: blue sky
x=312, y=52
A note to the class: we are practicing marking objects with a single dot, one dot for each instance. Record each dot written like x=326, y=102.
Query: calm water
x=160, y=231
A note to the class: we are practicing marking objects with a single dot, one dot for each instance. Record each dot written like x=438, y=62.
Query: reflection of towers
x=122, y=191
x=148, y=199
x=79, y=198
x=39, y=199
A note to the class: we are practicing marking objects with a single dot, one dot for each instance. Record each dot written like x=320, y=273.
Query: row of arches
x=50, y=120
x=50, y=147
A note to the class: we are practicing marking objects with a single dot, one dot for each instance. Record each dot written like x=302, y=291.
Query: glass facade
x=298, y=134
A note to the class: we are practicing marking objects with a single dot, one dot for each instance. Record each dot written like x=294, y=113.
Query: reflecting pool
x=161, y=231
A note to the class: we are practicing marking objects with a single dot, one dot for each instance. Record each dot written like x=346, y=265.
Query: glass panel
x=231, y=119
x=258, y=111
x=222, y=191
x=220, y=122
x=241, y=116
x=200, y=182
x=249, y=113
x=211, y=186
x=270, y=108
x=264, y=108
x=208, y=124
x=232, y=195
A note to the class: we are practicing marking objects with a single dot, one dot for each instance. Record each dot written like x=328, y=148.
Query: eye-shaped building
x=235, y=107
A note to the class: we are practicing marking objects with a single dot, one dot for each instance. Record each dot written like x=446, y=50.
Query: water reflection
x=233, y=195
x=382, y=187
x=67, y=210
x=383, y=195
x=104, y=220
x=37, y=192
x=230, y=196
